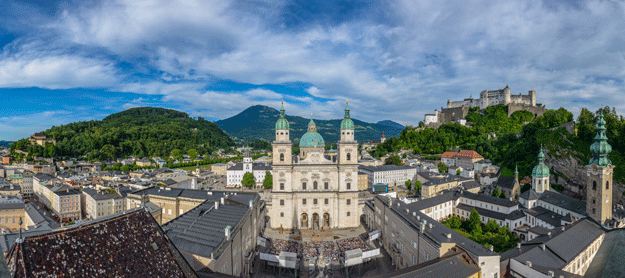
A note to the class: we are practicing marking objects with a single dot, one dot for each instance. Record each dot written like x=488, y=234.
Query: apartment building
x=411, y=237
x=99, y=203
x=62, y=199
x=11, y=211
x=390, y=175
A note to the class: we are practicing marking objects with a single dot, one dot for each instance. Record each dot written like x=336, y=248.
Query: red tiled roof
x=128, y=245
x=448, y=154
x=468, y=154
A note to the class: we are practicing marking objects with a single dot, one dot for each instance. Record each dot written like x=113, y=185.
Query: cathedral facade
x=313, y=190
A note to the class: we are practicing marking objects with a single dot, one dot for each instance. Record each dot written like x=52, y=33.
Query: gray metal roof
x=255, y=167
x=383, y=168
x=563, y=201
x=483, y=212
x=489, y=199
x=529, y=195
x=446, y=267
x=201, y=230
x=608, y=261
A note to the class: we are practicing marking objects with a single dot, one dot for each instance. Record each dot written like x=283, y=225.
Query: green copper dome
x=600, y=148
x=312, y=138
x=282, y=123
x=541, y=170
x=347, y=122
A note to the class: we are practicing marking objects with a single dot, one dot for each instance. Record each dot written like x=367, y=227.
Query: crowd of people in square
x=279, y=245
x=310, y=251
x=352, y=243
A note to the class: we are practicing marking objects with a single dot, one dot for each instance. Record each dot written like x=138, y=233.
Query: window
x=349, y=202
x=413, y=259
x=315, y=185
x=326, y=185
x=282, y=214
x=303, y=185
x=594, y=185
x=282, y=202
x=314, y=201
x=349, y=156
x=303, y=201
x=281, y=157
x=325, y=201
x=607, y=185
x=349, y=186
x=593, y=201
x=426, y=255
x=348, y=214
x=281, y=186
x=169, y=211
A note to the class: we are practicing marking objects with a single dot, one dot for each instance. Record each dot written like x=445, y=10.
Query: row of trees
x=249, y=180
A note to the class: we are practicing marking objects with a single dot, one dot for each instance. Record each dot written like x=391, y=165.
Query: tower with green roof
x=540, y=174
x=282, y=146
x=599, y=174
x=347, y=145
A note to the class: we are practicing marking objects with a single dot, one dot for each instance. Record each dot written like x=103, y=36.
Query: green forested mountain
x=258, y=122
x=142, y=132
x=517, y=142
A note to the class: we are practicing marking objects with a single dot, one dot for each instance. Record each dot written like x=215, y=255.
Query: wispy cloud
x=393, y=59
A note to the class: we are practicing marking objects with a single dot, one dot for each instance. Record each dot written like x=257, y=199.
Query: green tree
x=176, y=154
x=192, y=153
x=248, y=180
x=457, y=172
x=404, y=155
x=475, y=224
x=408, y=184
x=417, y=186
x=442, y=168
x=503, y=195
x=526, y=187
x=496, y=192
x=268, y=182
x=125, y=168
x=455, y=222
x=491, y=226
x=393, y=160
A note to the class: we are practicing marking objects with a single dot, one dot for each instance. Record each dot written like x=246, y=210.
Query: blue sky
x=65, y=61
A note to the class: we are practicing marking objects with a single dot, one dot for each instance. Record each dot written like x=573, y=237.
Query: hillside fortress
x=456, y=111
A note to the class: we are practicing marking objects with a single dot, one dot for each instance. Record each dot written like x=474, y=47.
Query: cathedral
x=313, y=190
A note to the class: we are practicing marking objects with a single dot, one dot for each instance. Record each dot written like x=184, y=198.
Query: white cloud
x=422, y=54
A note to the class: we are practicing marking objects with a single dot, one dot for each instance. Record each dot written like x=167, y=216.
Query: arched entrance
x=326, y=220
x=315, y=221
x=304, y=221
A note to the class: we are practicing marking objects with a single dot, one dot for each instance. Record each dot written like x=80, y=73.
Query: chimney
x=542, y=246
x=430, y=225
x=491, y=248
x=551, y=274
x=518, y=245
x=528, y=263
x=562, y=228
x=216, y=205
x=251, y=203
x=449, y=235
x=222, y=200
x=422, y=226
x=227, y=232
x=414, y=213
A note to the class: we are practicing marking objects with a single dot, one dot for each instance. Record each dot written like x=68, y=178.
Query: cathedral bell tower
x=282, y=146
x=348, y=147
x=599, y=177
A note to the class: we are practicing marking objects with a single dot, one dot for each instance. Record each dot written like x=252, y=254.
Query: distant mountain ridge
x=5, y=144
x=258, y=122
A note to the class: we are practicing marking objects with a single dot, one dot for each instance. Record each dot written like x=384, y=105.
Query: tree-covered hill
x=142, y=132
x=258, y=122
x=519, y=137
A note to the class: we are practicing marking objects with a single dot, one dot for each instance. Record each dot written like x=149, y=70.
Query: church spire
x=600, y=148
x=347, y=122
x=282, y=122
